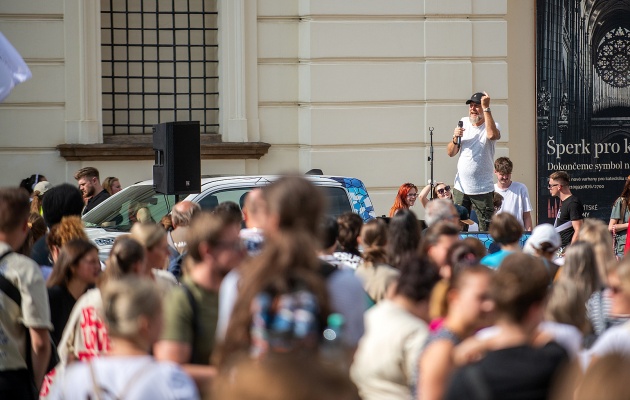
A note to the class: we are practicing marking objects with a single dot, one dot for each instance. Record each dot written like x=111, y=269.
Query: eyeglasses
x=550, y=186
x=413, y=195
x=444, y=189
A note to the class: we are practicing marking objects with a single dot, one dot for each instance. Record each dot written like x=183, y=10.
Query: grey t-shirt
x=475, y=167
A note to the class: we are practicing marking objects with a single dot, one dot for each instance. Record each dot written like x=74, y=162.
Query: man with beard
x=515, y=194
x=476, y=137
x=191, y=310
x=90, y=187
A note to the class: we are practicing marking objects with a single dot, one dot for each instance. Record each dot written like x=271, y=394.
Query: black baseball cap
x=476, y=98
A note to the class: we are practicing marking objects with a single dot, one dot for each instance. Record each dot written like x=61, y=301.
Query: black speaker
x=177, y=168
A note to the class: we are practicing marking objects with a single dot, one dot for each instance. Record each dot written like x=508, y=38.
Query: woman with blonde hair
x=374, y=272
x=580, y=266
x=565, y=316
x=596, y=233
x=132, y=310
x=112, y=185
x=153, y=238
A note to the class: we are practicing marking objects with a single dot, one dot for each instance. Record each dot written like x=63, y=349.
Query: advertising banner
x=583, y=101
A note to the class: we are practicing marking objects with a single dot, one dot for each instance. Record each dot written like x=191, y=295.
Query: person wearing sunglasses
x=444, y=191
x=405, y=198
x=569, y=219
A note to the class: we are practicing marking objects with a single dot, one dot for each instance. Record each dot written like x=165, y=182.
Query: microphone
x=460, y=124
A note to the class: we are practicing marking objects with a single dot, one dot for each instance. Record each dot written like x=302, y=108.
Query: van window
x=337, y=199
x=236, y=195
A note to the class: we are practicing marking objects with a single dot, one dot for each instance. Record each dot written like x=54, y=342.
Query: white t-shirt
x=228, y=294
x=131, y=378
x=475, y=167
x=385, y=360
x=613, y=340
x=515, y=200
x=567, y=336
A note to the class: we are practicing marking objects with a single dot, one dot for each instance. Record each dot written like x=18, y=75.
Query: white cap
x=42, y=187
x=544, y=233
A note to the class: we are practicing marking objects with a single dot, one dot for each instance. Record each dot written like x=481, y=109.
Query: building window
x=159, y=64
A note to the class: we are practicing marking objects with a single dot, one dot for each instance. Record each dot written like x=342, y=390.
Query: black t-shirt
x=521, y=372
x=95, y=201
x=571, y=209
x=61, y=303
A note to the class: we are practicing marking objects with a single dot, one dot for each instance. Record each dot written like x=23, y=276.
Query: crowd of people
x=273, y=299
x=218, y=302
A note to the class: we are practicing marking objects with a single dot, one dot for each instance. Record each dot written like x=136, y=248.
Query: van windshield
x=135, y=203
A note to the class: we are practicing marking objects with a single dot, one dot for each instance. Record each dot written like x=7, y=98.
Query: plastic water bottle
x=332, y=350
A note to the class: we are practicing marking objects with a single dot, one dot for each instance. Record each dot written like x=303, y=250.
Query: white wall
x=366, y=79
x=350, y=87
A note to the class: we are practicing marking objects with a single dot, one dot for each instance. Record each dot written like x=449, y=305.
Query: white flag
x=13, y=69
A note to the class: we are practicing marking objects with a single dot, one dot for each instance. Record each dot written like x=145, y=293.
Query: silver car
x=118, y=213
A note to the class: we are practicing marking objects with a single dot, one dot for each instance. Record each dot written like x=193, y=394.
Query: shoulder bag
x=14, y=294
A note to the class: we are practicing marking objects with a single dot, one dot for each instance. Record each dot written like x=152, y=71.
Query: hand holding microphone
x=459, y=131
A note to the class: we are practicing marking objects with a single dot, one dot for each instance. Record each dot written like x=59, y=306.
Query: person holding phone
x=475, y=137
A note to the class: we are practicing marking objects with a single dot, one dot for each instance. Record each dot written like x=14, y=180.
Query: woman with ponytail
x=375, y=273
x=285, y=274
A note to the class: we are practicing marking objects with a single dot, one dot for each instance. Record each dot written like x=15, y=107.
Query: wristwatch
x=487, y=109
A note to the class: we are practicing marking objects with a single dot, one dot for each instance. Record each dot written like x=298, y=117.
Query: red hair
x=401, y=198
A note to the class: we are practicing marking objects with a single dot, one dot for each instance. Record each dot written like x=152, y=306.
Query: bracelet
x=454, y=142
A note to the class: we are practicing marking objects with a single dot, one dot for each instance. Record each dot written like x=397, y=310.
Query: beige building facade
x=350, y=87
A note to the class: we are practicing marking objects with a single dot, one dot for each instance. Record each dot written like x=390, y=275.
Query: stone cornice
x=144, y=151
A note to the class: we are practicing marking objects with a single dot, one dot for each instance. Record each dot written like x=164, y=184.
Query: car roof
x=254, y=180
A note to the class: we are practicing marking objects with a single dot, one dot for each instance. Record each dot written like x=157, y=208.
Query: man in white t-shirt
x=476, y=137
x=515, y=194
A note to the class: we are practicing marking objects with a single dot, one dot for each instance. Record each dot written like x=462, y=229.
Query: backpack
x=13, y=293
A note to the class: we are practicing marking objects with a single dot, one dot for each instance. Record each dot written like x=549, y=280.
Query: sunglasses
x=550, y=186
x=444, y=189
